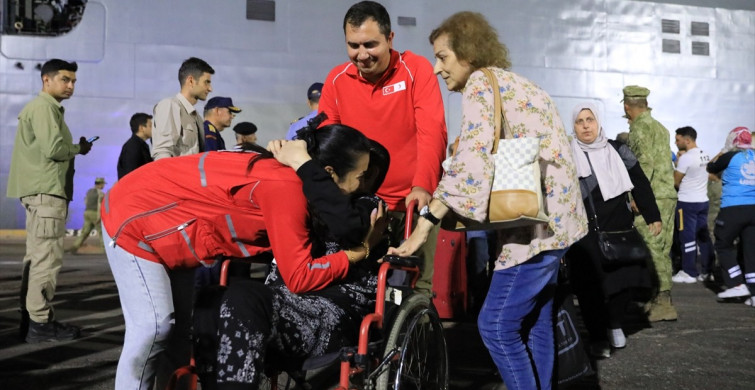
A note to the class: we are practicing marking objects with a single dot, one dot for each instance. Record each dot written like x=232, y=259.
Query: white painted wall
x=129, y=53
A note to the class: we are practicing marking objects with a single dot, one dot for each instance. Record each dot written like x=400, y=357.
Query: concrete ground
x=712, y=346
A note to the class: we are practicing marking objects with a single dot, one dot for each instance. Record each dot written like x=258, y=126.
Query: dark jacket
x=135, y=153
x=614, y=214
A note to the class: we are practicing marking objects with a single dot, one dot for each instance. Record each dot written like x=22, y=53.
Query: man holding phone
x=41, y=176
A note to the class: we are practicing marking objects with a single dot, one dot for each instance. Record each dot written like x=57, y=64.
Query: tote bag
x=516, y=196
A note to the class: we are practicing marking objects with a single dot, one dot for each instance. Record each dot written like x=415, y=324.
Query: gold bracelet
x=366, y=249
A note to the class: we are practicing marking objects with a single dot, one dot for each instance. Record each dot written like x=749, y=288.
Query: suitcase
x=450, y=275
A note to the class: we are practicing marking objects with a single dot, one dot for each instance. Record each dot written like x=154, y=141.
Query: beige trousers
x=45, y=229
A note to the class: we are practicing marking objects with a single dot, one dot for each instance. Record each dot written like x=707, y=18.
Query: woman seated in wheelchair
x=258, y=321
x=176, y=214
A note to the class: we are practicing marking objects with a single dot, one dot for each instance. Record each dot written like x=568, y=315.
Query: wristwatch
x=426, y=214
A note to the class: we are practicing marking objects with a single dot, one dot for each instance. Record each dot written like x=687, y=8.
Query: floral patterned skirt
x=260, y=323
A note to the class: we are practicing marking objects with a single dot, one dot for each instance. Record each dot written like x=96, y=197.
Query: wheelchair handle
x=409, y=218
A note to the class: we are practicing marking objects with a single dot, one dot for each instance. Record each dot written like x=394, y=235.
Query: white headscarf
x=610, y=171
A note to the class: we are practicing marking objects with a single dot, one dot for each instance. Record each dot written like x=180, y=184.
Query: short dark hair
x=687, y=131
x=53, y=66
x=364, y=10
x=138, y=119
x=195, y=67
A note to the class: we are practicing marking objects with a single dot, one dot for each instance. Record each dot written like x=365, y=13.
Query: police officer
x=218, y=114
x=649, y=140
x=313, y=101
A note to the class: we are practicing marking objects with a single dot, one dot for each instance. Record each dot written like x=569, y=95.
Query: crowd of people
x=330, y=200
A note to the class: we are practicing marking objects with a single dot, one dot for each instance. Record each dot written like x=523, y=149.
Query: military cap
x=220, y=101
x=635, y=91
x=99, y=180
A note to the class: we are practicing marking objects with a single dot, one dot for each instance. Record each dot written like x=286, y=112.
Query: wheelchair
x=401, y=344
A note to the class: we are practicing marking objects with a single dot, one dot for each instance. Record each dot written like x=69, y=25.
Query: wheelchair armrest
x=408, y=261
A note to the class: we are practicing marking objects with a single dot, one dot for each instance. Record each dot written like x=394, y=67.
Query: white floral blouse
x=465, y=186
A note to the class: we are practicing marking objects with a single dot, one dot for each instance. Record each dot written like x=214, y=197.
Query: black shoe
x=51, y=331
x=23, y=327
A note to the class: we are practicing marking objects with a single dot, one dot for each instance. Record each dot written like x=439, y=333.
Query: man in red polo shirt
x=394, y=99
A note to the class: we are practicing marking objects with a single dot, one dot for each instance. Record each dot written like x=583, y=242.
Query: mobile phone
x=92, y=139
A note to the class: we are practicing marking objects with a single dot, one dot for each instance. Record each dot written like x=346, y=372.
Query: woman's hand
x=415, y=241
x=290, y=153
x=421, y=231
x=655, y=228
x=378, y=224
x=411, y=244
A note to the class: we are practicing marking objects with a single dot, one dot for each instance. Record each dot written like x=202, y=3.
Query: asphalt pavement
x=710, y=347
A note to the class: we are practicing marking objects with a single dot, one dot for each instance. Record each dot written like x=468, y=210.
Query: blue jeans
x=516, y=321
x=157, y=337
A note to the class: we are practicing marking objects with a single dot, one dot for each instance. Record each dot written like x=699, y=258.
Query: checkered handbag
x=516, y=196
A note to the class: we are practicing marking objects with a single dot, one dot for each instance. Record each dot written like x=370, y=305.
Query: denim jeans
x=516, y=321
x=157, y=332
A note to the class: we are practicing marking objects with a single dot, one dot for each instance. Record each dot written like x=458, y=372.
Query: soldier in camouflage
x=651, y=143
x=91, y=215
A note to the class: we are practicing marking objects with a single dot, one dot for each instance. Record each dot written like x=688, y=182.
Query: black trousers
x=733, y=222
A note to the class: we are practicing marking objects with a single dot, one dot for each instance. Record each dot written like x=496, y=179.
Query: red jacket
x=403, y=111
x=188, y=210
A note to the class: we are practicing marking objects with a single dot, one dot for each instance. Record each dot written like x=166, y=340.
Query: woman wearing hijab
x=608, y=171
x=736, y=165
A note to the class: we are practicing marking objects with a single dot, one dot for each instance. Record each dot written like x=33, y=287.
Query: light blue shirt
x=296, y=126
x=739, y=180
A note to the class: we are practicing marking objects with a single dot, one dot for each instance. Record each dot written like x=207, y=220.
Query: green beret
x=635, y=91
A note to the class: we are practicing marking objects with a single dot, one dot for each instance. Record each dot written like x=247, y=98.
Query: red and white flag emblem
x=400, y=86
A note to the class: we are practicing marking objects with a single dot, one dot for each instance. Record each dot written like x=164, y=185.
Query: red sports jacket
x=186, y=211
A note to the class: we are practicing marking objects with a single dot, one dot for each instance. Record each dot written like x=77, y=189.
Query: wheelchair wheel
x=421, y=360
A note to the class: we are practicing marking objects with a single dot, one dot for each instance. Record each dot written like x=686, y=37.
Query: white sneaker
x=750, y=301
x=705, y=278
x=600, y=349
x=682, y=277
x=735, y=292
x=617, y=338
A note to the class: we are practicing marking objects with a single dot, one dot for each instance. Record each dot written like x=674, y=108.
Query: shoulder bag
x=619, y=247
x=516, y=196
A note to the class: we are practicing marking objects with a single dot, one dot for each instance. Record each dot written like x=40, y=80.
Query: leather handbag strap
x=592, y=203
x=589, y=197
x=498, y=112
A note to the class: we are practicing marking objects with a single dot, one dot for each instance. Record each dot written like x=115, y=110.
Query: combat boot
x=50, y=331
x=662, y=309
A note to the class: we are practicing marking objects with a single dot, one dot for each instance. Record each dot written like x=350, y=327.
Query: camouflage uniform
x=714, y=205
x=91, y=215
x=649, y=140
